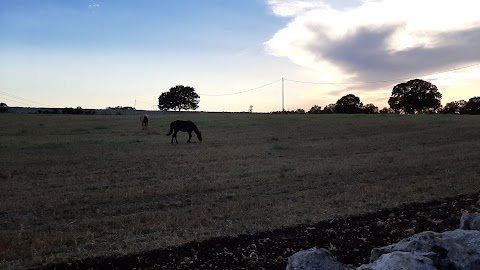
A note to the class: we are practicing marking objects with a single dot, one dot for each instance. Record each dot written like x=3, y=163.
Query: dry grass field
x=82, y=186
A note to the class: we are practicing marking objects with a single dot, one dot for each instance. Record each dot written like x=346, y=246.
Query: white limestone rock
x=459, y=249
x=315, y=259
x=470, y=221
x=399, y=260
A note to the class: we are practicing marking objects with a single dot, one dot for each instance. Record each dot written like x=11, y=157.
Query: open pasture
x=76, y=186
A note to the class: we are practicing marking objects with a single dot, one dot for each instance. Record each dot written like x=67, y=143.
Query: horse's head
x=199, y=136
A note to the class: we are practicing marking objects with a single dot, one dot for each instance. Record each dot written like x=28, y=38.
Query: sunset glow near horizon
x=107, y=53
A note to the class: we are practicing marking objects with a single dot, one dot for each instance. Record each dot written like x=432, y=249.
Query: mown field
x=77, y=186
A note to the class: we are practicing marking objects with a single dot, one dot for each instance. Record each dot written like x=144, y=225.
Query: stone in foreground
x=315, y=259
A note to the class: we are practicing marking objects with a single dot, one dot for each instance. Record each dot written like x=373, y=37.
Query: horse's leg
x=189, y=136
x=175, y=135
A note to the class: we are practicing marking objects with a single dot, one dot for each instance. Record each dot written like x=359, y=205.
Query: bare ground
x=78, y=187
x=350, y=239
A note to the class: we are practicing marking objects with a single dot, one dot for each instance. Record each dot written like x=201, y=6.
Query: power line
x=149, y=103
x=28, y=102
x=241, y=92
x=383, y=81
x=23, y=99
x=19, y=102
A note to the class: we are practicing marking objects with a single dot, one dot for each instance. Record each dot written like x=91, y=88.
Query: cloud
x=293, y=8
x=378, y=40
x=93, y=4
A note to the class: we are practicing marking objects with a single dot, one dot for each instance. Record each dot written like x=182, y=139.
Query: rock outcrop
x=470, y=221
x=458, y=249
x=399, y=260
x=318, y=259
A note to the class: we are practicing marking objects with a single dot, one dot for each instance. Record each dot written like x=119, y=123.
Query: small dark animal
x=144, y=120
x=185, y=126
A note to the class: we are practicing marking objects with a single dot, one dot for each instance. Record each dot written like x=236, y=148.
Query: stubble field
x=82, y=186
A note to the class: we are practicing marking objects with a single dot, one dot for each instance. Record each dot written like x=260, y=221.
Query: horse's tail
x=171, y=130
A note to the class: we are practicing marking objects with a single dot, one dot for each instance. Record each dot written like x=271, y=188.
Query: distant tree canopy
x=3, y=107
x=120, y=108
x=370, y=108
x=472, y=106
x=415, y=96
x=349, y=104
x=178, y=98
x=77, y=110
x=454, y=107
x=300, y=111
x=315, y=109
x=330, y=108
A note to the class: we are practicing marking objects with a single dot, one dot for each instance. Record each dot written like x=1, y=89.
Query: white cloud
x=378, y=40
x=93, y=4
x=288, y=8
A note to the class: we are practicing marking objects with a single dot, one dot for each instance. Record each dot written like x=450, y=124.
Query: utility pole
x=135, y=105
x=283, y=95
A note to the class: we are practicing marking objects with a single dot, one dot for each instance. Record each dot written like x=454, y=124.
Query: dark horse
x=144, y=120
x=185, y=126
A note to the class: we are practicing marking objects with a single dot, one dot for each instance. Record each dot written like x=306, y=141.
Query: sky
x=107, y=53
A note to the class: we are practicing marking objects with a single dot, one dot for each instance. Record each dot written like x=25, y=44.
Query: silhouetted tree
x=370, y=108
x=68, y=110
x=179, y=97
x=454, y=107
x=415, y=96
x=386, y=110
x=3, y=107
x=121, y=108
x=330, y=108
x=348, y=104
x=472, y=106
x=315, y=109
x=300, y=111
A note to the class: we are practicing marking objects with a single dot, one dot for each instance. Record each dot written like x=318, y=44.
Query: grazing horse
x=185, y=126
x=144, y=120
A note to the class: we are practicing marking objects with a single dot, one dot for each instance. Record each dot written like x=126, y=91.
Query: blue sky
x=100, y=53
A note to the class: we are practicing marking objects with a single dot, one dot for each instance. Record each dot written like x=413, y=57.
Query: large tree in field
x=178, y=98
x=349, y=104
x=415, y=96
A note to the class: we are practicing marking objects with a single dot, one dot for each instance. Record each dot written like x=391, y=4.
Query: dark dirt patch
x=349, y=239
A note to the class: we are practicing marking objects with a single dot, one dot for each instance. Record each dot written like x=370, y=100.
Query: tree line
x=412, y=97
